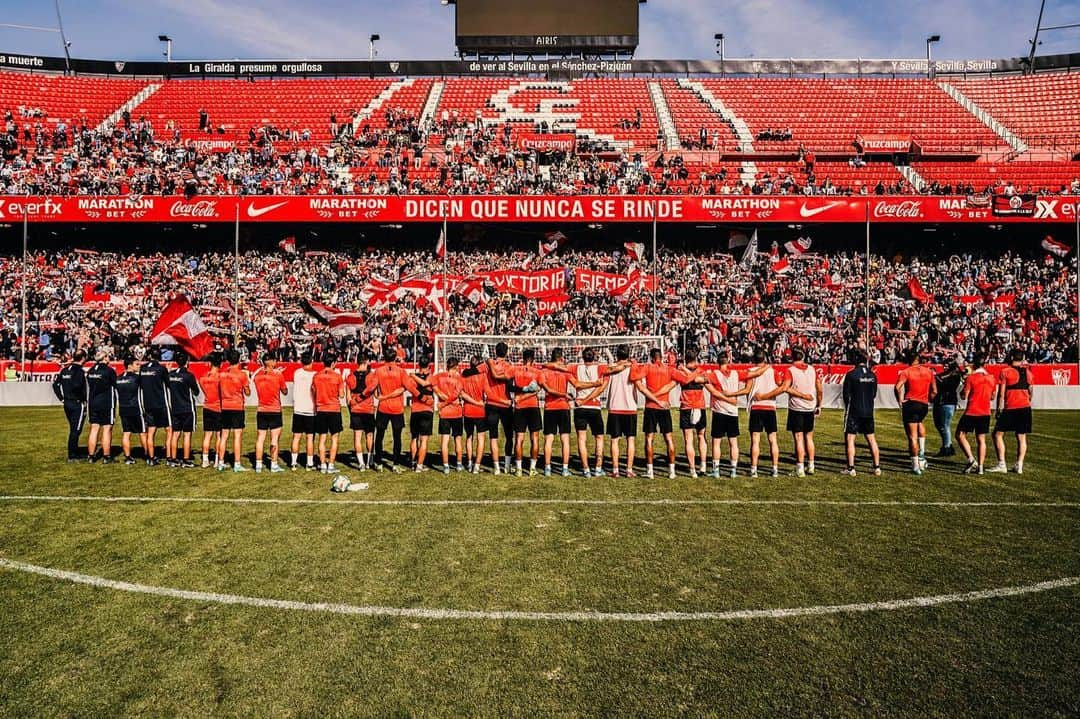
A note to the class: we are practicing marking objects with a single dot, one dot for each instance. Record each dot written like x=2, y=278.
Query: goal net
x=460, y=348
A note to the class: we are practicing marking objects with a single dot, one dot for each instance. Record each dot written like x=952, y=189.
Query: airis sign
x=598, y=209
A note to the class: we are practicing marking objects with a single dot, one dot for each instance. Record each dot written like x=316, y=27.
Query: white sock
x=311, y=461
x=810, y=466
x=532, y=464
x=734, y=463
x=236, y=465
x=922, y=446
x=716, y=465
x=800, y=467
x=259, y=464
x=915, y=462
x=648, y=467
x=517, y=463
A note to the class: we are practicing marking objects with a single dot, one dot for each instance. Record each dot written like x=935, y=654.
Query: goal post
x=460, y=348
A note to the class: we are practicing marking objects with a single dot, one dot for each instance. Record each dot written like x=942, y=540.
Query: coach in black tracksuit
x=70, y=388
x=154, y=392
x=131, y=415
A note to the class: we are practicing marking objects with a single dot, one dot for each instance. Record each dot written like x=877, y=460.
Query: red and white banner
x=877, y=143
x=616, y=285
x=551, y=304
x=1060, y=249
x=564, y=141
x=758, y=209
x=531, y=285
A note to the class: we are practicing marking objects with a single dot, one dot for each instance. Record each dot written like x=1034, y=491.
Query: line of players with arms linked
x=475, y=402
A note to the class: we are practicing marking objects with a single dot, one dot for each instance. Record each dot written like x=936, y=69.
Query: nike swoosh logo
x=252, y=212
x=804, y=211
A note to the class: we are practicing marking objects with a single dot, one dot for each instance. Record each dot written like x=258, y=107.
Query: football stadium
x=541, y=379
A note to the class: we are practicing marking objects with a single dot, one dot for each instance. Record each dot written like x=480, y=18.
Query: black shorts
x=914, y=412
x=556, y=421
x=527, y=420
x=158, y=417
x=800, y=421
x=268, y=420
x=475, y=425
x=233, y=419
x=494, y=416
x=211, y=420
x=858, y=425
x=132, y=421
x=303, y=424
x=763, y=420
x=183, y=422
x=102, y=416
x=686, y=419
x=328, y=423
x=1017, y=421
x=621, y=425
x=589, y=419
x=657, y=420
x=383, y=420
x=724, y=425
x=420, y=424
x=455, y=426
x=969, y=424
x=361, y=422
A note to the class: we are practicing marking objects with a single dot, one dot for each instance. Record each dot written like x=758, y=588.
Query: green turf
x=69, y=650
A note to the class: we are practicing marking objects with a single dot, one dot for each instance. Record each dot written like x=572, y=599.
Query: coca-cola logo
x=202, y=208
x=908, y=209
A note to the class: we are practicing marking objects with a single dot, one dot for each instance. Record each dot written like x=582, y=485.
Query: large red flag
x=917, y=292
x=181, y=325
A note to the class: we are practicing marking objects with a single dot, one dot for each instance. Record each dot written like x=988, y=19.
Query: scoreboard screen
x=547, y=25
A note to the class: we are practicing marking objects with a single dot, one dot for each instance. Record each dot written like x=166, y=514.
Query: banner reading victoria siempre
x=760, y=209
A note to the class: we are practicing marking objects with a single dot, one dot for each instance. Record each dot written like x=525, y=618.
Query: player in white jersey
x=303, y=419
x=626, y=380
x=725, y=385
x=803, y=406
x=762, y=403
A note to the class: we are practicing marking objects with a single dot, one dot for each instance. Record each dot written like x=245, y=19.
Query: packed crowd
x=444, y=155
x=960, y=304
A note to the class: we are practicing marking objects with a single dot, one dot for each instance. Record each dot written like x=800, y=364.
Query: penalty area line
x=578, y=616
x=528, y=502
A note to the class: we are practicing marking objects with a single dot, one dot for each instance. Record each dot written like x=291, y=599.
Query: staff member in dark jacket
x=183, y=389
x=154, y=393
x=860, y=396
x=131, y=414
x=101, y=390
x=945, y=402
x=70, y=388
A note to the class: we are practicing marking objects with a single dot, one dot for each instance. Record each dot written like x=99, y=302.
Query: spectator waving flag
x=555, y=240
x=798, y=247
x=750, y=253
x=781, y=266
x=1059, y=249
x=288, y=245
x=181, y=325
x=635, y=250
x=915, y=289
x=341, y=323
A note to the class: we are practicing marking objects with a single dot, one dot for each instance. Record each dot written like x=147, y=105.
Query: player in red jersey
x=657, y=390
x=210, y=384
x=979, y=389
x=527, y=420
x=329, y=389
x=692, y=418
x=361, y=412
x=498, y=404
x=270, y=387
x=476, y=432
x=421, y=413
x=235, y=388
x=390, y=385
x=915, y=389
x=450, y=389
x=1013, y=410
x=556, y=380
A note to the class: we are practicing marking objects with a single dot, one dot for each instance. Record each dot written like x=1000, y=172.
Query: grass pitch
x=73, y=650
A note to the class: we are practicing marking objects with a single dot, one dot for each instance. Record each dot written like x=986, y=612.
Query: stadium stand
x=1043, y=109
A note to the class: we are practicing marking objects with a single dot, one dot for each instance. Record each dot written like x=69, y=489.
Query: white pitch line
x=526, y=502
x=588, y=616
